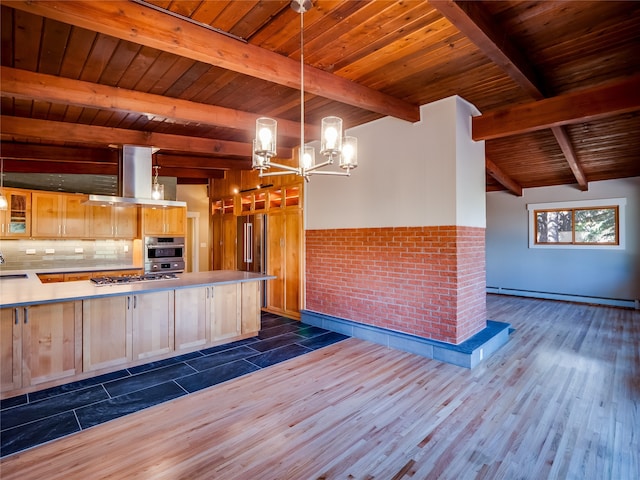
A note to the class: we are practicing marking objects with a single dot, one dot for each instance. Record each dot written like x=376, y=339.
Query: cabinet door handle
x=59, y=229
x=17, y=319
x=26, y=315
x=135, y=301
x=128, y=303
x=64, y=229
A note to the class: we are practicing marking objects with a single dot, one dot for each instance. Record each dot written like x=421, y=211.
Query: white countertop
x=18, y=292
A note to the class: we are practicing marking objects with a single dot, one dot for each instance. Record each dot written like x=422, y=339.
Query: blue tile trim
x=466, y=354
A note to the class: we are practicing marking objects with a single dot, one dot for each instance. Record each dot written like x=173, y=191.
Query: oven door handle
x=172, y=245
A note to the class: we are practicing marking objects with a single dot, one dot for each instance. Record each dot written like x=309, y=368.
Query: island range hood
x=134, y=181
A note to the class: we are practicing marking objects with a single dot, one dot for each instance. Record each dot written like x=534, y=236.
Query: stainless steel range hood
x=134, y=181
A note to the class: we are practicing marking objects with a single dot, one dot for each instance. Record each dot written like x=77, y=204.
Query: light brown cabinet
x=56, y=215
x=15, y=221
x=106, y=332
x=40, y=343
x=113, y=222
x=118, y=330
x=193, y=317
x=164, y=220
x=284, y=237
x=226, y=320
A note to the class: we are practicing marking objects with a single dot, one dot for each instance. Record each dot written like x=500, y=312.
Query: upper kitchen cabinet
x=16, y=219
x=56, y=215
x=113, y=222
x=164, y=221
x=285, y=197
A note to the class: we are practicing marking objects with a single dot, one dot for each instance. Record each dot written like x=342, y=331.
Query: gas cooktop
x=147, y=277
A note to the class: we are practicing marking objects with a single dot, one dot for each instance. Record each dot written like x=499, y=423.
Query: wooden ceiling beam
x=472, y=20
x=576, y=107
x=49, y=88
x=22, y=151
x=144, y=26
x=181, y=161
x=502, y=178
x=86, y=134
x=54, y=166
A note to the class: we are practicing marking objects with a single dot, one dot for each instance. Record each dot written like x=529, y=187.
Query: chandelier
x=333, y=145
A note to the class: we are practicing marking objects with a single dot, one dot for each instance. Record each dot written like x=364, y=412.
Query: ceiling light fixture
x=4, y=204
x=157, y=189
x=332, y=144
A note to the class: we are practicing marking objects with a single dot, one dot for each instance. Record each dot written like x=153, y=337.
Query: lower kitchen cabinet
x=226, y=320
x=153, y=324
x=192, y=318
x=118, y=330
x=214, y=313
x=40, y=343
x=106, y=332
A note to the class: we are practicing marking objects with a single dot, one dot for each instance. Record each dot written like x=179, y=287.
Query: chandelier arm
x=275, y=174
x=284, y=167
x=328, y=172
x=319, y=165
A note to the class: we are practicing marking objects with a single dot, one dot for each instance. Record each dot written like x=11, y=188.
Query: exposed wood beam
x=37, y=86
x=182, y=161
x=21, y=151
x=502, y=178
x=576, y=107
x=88, y=168
x=562, y=137
x=85, y=134
x=144, y=26
x=53, y=166
x=472, y=20
x=91, y=159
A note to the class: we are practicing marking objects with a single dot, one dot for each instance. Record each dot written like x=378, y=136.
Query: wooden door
x=225, y=320
x=192, y=317
x=75, y=220
x=106, y=332
x=10, y=349
x=229, y=241
x=126, y=222
x=275, y=260
x=153, y=324
x=51, y=347
x=15, y=221
x=46, y=214
x=101, y=221
x=250, y=308
x=292, y=262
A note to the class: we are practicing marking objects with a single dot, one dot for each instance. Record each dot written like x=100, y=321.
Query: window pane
x=553, y=226
x=596, y=226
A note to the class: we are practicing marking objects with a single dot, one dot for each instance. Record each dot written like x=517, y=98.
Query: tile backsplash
x=34, y=254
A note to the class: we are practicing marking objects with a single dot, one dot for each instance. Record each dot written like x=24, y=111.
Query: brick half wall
x=425, y=281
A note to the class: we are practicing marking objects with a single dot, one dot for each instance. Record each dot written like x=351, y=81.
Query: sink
x=9, y=276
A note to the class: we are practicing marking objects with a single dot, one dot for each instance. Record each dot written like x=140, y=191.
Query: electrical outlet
x=126, y=248
x=30, y=251
x=481, y=353
x=49, y=250
x=79, y=250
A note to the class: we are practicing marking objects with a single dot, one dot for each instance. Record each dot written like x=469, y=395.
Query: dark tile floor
x=35, y=418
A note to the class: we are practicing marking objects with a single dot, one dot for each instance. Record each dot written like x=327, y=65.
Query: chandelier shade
x=332, y=143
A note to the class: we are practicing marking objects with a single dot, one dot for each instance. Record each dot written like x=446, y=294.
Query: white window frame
x=603, y=202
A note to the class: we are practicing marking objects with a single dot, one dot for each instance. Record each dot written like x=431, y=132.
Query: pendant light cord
x=301, y=86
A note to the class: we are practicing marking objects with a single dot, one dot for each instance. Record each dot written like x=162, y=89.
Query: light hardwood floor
x=560, y=400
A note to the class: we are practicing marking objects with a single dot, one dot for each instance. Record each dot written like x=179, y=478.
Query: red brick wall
x=425, y=281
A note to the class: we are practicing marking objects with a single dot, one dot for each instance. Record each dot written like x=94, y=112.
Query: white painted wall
x=608, y=274
x=424, y=174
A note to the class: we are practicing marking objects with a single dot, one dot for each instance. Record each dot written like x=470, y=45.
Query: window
x=589, y=223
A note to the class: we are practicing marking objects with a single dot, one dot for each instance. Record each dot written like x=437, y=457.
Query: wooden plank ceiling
x=557, y=82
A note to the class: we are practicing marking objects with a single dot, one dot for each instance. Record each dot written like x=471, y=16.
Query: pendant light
x=332, y=143
x=157, y=189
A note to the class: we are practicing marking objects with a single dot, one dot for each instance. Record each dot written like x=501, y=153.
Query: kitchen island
x=61, y=332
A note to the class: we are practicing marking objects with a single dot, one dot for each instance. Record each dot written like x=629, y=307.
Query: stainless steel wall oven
x=164, y=254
